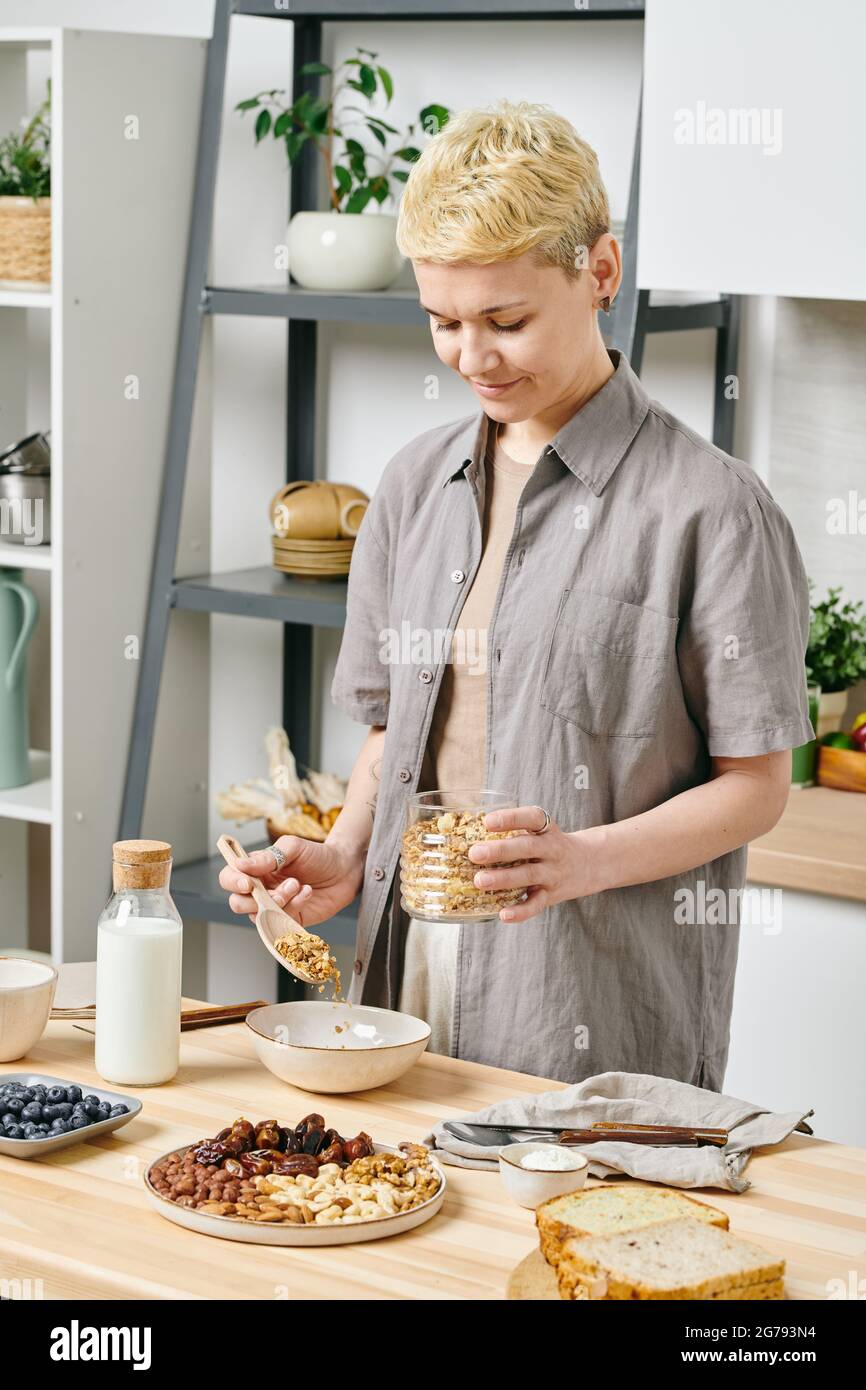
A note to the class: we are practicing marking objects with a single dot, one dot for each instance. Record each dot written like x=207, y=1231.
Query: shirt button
x=404, y=774
x=358, y=967
x=457, y=576
x=425, y=676
x=378, y=871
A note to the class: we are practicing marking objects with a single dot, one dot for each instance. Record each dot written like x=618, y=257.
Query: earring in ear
x=605, y=304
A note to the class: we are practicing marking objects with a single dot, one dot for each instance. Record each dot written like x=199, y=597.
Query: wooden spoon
x=272, y=921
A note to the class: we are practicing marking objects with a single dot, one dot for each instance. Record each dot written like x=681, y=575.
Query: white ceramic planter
x=343, y=251
x=831, y=711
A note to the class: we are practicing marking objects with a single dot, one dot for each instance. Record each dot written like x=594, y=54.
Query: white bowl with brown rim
x=529, y=1187
x=334, y=1046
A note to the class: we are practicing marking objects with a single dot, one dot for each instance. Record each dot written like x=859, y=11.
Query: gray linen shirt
x=652, y=613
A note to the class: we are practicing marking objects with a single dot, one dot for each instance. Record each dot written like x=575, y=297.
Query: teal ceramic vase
x=19, y=611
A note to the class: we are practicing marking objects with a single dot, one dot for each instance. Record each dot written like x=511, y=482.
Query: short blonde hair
x=497, y=182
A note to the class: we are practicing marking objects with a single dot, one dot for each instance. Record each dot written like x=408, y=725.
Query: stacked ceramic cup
x=315, y=524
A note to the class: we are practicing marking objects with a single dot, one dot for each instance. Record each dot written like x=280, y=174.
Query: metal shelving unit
x=301, y=605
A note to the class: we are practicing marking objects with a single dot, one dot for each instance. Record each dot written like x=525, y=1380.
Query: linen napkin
x=631, y=1097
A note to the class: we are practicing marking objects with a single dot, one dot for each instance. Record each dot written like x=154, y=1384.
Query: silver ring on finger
x=546, y=815
x=278, y=856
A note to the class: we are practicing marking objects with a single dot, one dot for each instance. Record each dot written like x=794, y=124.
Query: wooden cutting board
x=532, y=1280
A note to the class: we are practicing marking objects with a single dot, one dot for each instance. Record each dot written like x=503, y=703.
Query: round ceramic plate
x=284, y=1232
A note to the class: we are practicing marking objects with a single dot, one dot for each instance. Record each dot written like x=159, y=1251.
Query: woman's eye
x=497, y=327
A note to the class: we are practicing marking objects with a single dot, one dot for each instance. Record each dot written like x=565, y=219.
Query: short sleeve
x=361, y=686
x=742, y=641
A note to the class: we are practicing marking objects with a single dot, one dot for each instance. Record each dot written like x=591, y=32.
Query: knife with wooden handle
x=704, y=1135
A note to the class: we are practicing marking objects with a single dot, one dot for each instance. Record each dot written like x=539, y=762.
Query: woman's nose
x=477, y=357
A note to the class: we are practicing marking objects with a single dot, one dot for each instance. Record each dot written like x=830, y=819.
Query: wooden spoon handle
x=231, y=851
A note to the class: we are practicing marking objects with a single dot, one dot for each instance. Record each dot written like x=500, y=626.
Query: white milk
x=138, y=1000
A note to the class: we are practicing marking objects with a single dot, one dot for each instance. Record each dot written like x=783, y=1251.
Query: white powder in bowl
x=552, y=1160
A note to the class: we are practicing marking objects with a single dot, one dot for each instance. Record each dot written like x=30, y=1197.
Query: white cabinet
x=798, y=1033
x=125, y=122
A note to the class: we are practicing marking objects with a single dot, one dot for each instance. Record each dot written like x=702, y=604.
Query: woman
x=632, y=613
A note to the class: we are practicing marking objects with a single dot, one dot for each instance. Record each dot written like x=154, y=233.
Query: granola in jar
x=436, y=873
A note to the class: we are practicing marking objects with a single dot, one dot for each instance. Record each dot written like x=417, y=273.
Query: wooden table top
x=818, y=846
x=79, y=1219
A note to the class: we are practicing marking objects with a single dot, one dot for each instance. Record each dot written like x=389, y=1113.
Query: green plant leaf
x=249, y=105
x=314, y=70
x=400, y=174
x=408, y=153
x=379, y=134
x=282, y=124
x=379, y=188
x=836, y=652
x=433, y=118
x=263, y=125
x=359, y=199
x=355, y=147
x=295, y=141
x=343, y=178
x=377, y=120
x=387, y=82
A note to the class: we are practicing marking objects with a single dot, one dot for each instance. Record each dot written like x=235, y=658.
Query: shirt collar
x=591, y=444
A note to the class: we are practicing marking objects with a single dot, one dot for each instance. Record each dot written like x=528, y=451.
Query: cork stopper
x=141, y=864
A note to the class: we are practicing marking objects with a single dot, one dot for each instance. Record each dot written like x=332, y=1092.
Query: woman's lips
x=497, y=388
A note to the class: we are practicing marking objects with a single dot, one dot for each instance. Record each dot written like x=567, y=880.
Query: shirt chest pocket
x=609, y=665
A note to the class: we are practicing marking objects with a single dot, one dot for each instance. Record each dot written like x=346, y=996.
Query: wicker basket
x=25, y=240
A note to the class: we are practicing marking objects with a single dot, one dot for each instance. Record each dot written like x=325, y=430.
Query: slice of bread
x=604, y=1210
x=678, y=1259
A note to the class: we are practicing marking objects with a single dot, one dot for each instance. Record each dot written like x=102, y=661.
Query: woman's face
x=522, y=335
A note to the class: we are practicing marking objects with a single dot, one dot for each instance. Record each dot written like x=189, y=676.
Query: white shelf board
x=24, y=557
x=33, y=802
x=20, y=297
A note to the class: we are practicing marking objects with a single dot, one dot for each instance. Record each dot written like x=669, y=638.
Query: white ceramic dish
x=529, y=1187
x=336, y=1047
x=285, y=1233
x=26, y=995
x=38, y=1148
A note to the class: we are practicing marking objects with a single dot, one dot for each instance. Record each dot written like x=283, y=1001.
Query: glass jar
x=436, y=873
x=138, y=969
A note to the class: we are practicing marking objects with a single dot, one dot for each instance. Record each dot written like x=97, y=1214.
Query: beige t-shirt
x=455, y=755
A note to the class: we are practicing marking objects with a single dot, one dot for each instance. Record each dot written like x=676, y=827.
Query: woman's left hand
x=558, y=867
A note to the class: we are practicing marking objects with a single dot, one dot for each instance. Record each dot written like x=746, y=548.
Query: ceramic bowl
x=335, y=1047
x=26, y=995
x=528, y=1186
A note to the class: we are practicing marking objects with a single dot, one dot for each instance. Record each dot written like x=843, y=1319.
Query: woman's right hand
x=315, y=881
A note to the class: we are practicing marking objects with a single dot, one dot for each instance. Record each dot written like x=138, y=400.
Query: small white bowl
x=336, y=1047
x=26, y=995
x=529, y=1187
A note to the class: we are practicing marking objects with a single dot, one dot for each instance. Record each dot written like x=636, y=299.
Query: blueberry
x=39, y=1093
x=27, y=1095
x=91, y=1100
x=59, y=1127
x=104, y=1110
x=49, y=1112
x=56, y=1093
x=93, y=1111
x=73, y=1093
x=79, y=1122
x=15, y=1132
x=119, y=1110
x=14, y=1105
x=64, y=1109
x=33, y=1112
x=43, y=1129
x=8, y=1119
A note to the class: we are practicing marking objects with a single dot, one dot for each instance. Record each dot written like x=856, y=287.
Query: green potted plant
x=341, y=249
x=836, y=655
x=25, y=201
